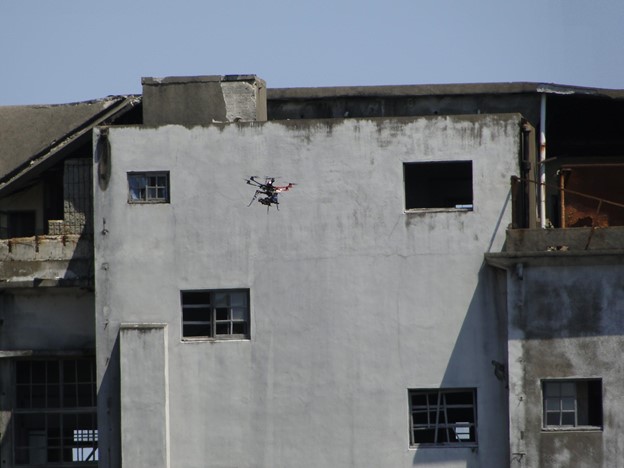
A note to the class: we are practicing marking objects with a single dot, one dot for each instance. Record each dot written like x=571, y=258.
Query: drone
x=267, y=191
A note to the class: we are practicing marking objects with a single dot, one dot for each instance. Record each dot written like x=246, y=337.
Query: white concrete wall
x=353, y=301
x=143, y=349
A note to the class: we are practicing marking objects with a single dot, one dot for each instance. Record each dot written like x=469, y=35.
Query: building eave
x=58, y=149
x=396, y=91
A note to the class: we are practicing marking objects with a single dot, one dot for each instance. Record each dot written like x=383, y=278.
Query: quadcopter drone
x=267, y=191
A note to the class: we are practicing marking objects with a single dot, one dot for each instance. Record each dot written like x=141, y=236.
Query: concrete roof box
x=202, y=100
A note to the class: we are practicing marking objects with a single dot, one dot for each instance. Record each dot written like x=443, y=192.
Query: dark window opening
x=55, y=420
x=572, y=403
x=17, y=224
x=220, y=314
x=445, y=184
x=53, y=196
x=445, y=417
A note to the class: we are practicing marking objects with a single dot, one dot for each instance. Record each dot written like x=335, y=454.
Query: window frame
x=415, y=202
x=442, y=406
x=214, y=321
x=51, y=404
x=581, y=401
x=148, y=200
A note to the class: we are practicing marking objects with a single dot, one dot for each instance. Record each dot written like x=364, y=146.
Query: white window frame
x=566, y=404
x=148, y=187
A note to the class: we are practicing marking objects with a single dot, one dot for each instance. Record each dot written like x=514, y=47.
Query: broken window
x=148, y=187
x=440, y=184
x=572, y=403
x=55, y=420
x=444, y=417
x=222, y=314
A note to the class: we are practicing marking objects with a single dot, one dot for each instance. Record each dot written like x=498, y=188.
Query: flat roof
x=438, y=89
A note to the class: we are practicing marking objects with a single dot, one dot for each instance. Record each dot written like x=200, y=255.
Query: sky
x=58, y=51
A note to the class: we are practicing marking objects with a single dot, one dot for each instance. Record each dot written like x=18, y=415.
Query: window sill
x=572, y=429
x=437, y=210
x=467, y=445
x=203, y=339
x=148, y=202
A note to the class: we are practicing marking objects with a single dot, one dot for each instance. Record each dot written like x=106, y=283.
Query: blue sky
x=55, y=51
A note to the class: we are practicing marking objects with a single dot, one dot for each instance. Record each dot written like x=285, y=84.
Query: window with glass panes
x=148, y=187
x=215, y=314
x=572, y=403
x=55, y=419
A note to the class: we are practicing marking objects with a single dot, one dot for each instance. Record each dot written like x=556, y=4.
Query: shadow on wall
x=570, y=301
x=109, y=411
x=478, y=361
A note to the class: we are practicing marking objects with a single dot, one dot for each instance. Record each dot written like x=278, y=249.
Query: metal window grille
x=148, y=187
x=215, y=314
x=443, y=417
x=55, y=420
x=78, y=197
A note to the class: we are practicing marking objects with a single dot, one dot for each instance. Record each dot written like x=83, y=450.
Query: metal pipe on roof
x=541, y=164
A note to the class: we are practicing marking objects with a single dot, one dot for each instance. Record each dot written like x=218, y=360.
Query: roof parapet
x=201, y=100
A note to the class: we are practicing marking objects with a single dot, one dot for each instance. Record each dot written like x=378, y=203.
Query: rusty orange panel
x=604, y=183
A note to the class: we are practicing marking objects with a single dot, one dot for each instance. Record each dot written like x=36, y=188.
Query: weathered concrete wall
x=46, y=261
x=288, y=104
x=353, y=301
x=39, y=320
x=201, y=100
x=565, y=322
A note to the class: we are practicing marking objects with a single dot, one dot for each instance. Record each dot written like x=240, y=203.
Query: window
x=572, y=403
x=222, y=314
x=445, y=417
x=148, y=187
x=446, y=184
x=55, y=412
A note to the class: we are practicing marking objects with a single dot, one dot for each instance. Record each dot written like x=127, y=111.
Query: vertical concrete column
x=144, y=388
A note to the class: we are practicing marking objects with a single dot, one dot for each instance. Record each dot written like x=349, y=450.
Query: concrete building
x=441, y=287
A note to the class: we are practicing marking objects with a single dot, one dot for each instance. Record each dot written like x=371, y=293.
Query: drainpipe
x=541, y=164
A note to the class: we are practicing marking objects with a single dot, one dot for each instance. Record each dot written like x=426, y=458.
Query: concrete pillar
x=144, y=389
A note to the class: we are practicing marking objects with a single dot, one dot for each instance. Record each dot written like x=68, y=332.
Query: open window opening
x=17, y=224
x=570, y=404
x=439, y=184
x=444, y=417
